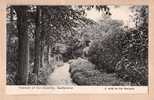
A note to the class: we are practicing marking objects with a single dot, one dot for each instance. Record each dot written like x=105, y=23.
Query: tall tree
x=23, y=46
x=37, y=43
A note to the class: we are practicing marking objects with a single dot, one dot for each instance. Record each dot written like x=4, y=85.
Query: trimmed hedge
x=83, y=72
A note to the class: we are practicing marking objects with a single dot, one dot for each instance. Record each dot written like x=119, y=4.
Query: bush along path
x=60, y=76
x=84, y=72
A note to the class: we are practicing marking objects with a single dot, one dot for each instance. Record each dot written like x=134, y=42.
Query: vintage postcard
x=77, y=48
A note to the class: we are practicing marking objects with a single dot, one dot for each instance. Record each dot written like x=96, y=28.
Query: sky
x=119, y=13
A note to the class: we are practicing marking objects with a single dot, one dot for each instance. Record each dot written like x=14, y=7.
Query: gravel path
x=61, y=76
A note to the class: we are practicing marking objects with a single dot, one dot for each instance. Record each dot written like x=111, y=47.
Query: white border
x=17, y=90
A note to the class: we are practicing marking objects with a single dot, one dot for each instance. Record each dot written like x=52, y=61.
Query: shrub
x=81, y=65
x=44, y=73
x=42, y=77
x=83, y=72
x=97, y=78
x=106, y=53
x=132, y=71
x=133, y=65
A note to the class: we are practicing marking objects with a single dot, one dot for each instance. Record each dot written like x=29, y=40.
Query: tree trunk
x=42, y=55
x=23, y=46
x=37, y=43
x=48, y=53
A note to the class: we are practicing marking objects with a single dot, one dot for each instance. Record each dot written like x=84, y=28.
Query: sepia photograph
x=77, y=45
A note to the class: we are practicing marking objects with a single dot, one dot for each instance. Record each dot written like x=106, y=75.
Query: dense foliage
x=105, y=48
x=122, y=50
x=103, y=53
x=83, y=72
x=133, y=65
